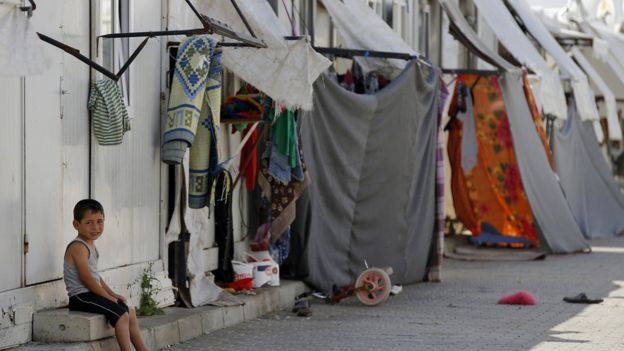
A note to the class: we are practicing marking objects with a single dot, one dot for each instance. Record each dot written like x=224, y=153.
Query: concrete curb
x=182, y=324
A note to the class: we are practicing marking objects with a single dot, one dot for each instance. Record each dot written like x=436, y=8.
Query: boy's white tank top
x=73, y=284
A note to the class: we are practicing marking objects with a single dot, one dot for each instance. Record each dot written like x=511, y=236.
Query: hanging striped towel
x=110, y=117
x=187, y=96
x=204, y=156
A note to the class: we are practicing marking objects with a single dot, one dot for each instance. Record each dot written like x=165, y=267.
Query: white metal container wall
x=48, y=222
x=126, y=177
x=11, y=177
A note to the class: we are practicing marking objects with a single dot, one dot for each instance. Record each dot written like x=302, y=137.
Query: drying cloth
x=285, y=70
x=464, y=210
x=224, y=230
x=204, y=155
x=359, y=27
x=187, y=96
x=494, y=188
x=246, y=107
x=284, y=136
x=551, y=211
x=110, y=117
x=283, y=197
x=592, y=193
x=436, y=253
x=372, y=159
x=469, y=145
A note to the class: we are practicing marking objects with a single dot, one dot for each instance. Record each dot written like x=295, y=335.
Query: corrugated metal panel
x=44, y=170
x=126, y=177
x=11, y=183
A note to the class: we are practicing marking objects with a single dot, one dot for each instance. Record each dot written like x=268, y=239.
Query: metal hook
x=29, y=9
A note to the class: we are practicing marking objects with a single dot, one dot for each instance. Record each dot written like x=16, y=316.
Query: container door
x=57, y=139
x=11, y=183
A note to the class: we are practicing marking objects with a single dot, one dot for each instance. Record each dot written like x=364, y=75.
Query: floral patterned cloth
x=492, y=192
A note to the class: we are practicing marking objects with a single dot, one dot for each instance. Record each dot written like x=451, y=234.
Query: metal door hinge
x=26, y=243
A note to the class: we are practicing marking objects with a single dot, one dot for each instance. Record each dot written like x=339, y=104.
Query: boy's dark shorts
x=94, y=303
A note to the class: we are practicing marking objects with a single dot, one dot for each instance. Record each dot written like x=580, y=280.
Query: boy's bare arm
x=110, y=291
x=80, y=256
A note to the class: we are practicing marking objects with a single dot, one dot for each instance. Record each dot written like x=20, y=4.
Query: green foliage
x=148, y=305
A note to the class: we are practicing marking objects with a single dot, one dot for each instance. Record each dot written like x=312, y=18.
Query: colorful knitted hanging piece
x=193, y=115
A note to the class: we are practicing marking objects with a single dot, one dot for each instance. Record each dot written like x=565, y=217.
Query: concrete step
x=60, y=329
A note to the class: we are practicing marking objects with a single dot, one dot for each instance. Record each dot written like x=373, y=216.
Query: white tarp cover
x=458, y=19
x=359, y=27
x=615, y=130
x=594, y=197
x=504, y=25
x=583, y=95
x=21, y=52
x=548, y=203
x=285, y=70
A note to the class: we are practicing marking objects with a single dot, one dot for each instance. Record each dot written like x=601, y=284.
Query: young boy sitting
x=86, y=289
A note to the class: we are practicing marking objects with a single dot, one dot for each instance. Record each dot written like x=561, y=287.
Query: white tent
x=583, y=95
x=361, y=28
x=512, y=37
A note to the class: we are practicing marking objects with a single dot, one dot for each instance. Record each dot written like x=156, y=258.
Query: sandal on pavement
x=581, y=298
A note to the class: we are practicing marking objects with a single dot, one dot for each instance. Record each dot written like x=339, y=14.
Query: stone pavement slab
x=460, y=313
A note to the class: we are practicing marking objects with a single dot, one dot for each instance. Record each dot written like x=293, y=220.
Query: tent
x=552, y=216
x=352, y=214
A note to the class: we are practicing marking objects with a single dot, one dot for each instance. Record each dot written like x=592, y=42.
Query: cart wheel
x=373, y=286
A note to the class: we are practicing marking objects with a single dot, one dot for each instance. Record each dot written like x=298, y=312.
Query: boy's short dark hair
x=87, y=205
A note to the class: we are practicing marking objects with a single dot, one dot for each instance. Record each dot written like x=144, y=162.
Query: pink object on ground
x=519, y=298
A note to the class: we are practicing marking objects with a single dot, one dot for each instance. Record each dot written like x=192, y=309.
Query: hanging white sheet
x=457, y=18
x=504, y=25
x=21, y=52
x=285, y=70
x=583, y=95
x=615, y=130
x=359, y=27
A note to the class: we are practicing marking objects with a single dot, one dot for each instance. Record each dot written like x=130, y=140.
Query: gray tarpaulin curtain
x=371, y=160
x=595, y=198
x=550, y=208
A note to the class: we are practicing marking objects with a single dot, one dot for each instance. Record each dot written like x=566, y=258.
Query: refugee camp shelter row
x=51, y=159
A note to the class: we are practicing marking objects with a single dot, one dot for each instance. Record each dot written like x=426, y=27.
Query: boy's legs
x=135, y=331
x=117, y=314
x=122, y=333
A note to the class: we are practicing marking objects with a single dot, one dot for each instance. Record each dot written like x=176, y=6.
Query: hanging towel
x=469, y=145
x=187, y=96
x=204, y=156
x=110, y=117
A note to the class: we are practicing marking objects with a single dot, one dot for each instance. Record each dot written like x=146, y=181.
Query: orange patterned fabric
x=493, y=187
x=537, y=119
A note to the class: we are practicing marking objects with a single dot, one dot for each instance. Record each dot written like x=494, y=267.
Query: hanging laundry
x=282, y=197
x=193, y=115
x=110, y=117
x=224, y=230
x=246, y=107
x=469, y=146
x=492, y=192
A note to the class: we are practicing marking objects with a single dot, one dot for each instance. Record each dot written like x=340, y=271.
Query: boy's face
x=91, y=226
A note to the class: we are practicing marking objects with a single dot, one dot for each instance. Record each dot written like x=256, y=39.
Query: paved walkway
x=461, y=312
